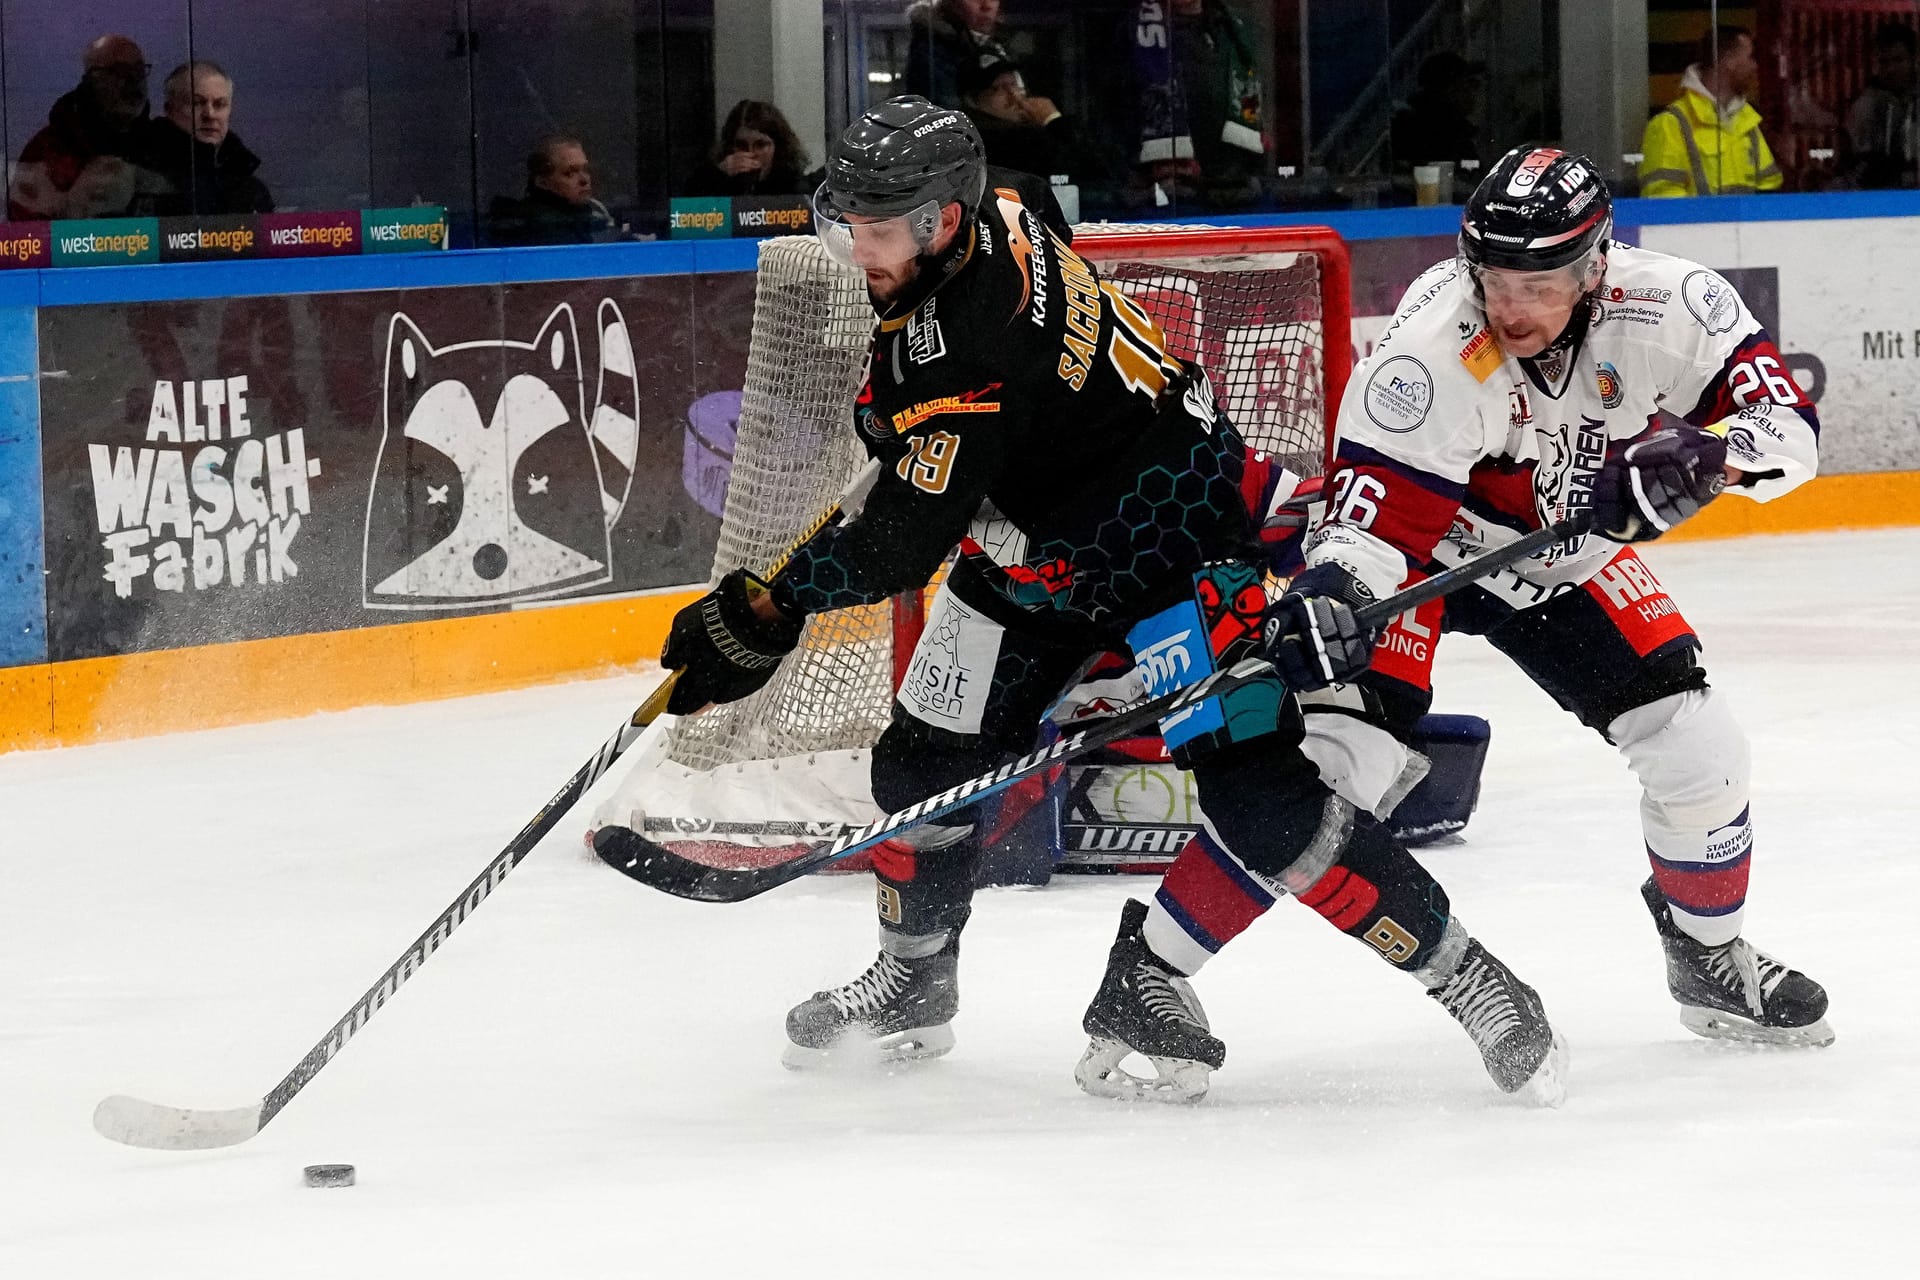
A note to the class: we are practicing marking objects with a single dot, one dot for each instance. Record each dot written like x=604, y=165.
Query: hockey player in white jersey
x=1520, y=382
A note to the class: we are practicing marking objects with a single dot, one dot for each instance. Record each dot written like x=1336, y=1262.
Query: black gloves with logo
x=1655, y=483
x=1311, y=634
x=722, y=648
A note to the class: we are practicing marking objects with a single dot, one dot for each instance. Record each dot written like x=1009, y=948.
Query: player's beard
x=884, y=287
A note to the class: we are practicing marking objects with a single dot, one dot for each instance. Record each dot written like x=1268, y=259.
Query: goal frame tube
x=1336, y=283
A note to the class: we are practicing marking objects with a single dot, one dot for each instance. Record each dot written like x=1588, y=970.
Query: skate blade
x=1099, y=1072
x=1717, y=1024
x=853, y=1052
x=1547, y=1086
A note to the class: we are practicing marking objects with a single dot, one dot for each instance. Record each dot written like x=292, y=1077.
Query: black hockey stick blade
x=654, y=864
x=139, y=1123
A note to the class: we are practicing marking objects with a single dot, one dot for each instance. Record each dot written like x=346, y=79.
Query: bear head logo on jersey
x=493, y=484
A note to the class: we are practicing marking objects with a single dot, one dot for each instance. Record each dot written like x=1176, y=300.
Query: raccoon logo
x=492, y=484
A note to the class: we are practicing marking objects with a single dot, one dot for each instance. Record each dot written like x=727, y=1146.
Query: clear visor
x=860, y=241
x=1556, y=286
x=1559, y=286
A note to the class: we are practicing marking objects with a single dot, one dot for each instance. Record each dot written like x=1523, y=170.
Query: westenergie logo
x=333, y=237
x=792, y=219
x=234, y=240
x=132, y=244
x=395, y=232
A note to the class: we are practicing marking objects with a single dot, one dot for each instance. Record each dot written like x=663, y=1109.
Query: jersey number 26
x=1356, y=499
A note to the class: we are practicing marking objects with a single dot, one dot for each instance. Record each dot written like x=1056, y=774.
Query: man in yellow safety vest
x=1707, y=142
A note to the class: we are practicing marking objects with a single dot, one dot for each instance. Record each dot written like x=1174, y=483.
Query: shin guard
x=1377, y=892
x=926, y=891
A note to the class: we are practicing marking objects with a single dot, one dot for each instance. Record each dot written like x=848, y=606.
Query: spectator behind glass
x=1708, y=140
x=1021, y=132
x=78, y=165
x=1881, y=133
x=1440, y=123
x=944, y=36
x=757, y=155
x=192, y=160
x=1203, y=120
x=558, y=207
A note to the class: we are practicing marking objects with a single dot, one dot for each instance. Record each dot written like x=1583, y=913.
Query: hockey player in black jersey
x=1023, y=411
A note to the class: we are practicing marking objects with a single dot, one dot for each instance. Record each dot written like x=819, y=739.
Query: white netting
x=1252, y=317
x=1253, y=322
x=794, y=451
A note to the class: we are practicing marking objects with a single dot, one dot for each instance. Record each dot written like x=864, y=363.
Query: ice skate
x=1509, y=1026
x=1144, y=1007
x=1735, y=991
x=897, y=1011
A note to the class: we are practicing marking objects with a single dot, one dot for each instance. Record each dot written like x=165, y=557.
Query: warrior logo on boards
x=493, y=484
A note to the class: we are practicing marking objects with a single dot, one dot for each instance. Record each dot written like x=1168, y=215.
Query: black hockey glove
x=722, y=648
x=1657, y=482
x=1311, y=634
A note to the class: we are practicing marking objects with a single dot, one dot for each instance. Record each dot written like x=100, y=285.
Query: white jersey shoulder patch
x=1398, y=394
x=1710, y=300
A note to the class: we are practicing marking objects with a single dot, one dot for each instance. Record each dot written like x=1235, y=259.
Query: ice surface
x=585, y=1081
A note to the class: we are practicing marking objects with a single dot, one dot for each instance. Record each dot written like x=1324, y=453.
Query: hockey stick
x=148, y=1124
x=693, y=827
x=638, y=858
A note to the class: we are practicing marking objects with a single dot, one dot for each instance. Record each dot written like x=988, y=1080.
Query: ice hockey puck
x=329, y=1175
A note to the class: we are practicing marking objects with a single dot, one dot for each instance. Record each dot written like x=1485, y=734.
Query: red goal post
x=1253, y=260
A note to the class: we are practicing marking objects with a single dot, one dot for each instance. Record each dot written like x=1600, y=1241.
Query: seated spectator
x=1708, y=141
x=1202, y=123
x=1439, y=124
x=757, y=155
x=193, y=160
x=1881, y=133
x=1021, y=132
x=559, y=207
x=77, y=166
x=942, y=37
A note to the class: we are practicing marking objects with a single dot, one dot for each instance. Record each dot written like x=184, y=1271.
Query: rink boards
x=243, y=491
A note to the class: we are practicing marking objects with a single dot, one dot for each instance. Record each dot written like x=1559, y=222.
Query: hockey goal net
x=1264, y=311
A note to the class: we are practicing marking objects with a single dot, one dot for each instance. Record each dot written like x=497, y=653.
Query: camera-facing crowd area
x=542, y=123
x=104, y=152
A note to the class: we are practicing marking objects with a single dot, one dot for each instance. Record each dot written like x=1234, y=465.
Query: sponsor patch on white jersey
x=1398, y=394
x=1711, y=300
x=1618, y=294
x=1744, y=448
x=1608, y=378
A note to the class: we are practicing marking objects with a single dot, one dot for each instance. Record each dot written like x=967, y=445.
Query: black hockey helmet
x=901, y=161
x=1538, y=209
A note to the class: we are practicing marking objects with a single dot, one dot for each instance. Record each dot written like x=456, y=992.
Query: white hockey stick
x=139, y=1123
